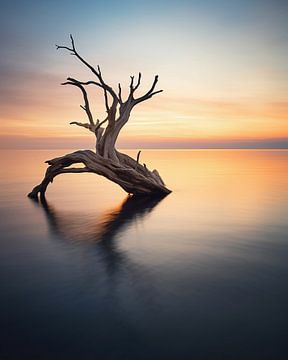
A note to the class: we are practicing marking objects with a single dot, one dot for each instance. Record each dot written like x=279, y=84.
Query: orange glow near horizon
x=167, y=120
x=224, y=80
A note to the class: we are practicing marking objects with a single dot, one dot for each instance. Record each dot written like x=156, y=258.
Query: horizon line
x=148, y=148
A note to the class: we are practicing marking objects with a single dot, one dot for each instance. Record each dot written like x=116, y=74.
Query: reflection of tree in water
x=100, y=230
x=130, y=293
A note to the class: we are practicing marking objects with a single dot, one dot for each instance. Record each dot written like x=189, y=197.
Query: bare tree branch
x=138, y=81
x=106, y=101
x=138, y=156
x=107, y=161
x=85, y=125
x=85, y=82
x=150, y=93
x=97, y=84
x=131, y=83
x=86, y=107
x=94, y=71
x=132, y=87
x=120, y=93
x=101, y=123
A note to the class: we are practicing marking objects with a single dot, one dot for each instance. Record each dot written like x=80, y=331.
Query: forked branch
x=98, y=73
x=150, y=93
x=86, y=106
x=120, y=168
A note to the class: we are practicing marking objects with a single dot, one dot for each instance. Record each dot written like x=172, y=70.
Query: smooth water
x=201, y=274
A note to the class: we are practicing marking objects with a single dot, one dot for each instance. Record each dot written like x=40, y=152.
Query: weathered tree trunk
x=120, y=168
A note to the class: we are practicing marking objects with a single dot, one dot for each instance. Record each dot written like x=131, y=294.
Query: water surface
x=201, y=274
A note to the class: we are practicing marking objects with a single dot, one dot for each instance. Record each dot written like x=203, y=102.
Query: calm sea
x=201, y=274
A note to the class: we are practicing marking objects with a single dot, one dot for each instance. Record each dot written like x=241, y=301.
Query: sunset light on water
x=150, y=222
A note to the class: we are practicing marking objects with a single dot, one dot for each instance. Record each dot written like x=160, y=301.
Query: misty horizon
x=10, y=142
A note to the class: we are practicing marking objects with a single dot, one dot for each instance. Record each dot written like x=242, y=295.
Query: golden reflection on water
x=225, y=187
x=213, y=190
x=92, y=263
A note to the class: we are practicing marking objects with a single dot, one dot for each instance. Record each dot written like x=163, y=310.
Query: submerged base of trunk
x=133, y=177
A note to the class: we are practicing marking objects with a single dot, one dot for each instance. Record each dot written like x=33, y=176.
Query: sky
x=223, y=66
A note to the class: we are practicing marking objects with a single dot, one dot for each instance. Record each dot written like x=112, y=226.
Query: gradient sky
x=223, y=66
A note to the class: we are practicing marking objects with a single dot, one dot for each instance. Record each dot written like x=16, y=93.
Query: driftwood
x=107, y=161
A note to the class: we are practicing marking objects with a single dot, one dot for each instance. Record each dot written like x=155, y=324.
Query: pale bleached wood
x=120, y=168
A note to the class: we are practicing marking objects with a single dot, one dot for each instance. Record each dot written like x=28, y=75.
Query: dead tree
x=106, y=161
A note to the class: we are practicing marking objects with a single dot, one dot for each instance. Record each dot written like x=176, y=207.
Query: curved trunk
x=107, y=143
x=120, y=168
x=126, y=172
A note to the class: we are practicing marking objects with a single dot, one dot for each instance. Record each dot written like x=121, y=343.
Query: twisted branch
x=98, y=73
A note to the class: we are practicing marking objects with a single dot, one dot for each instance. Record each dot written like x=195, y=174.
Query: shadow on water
x=100, y=231
x=108, y=294
x=104, y=227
